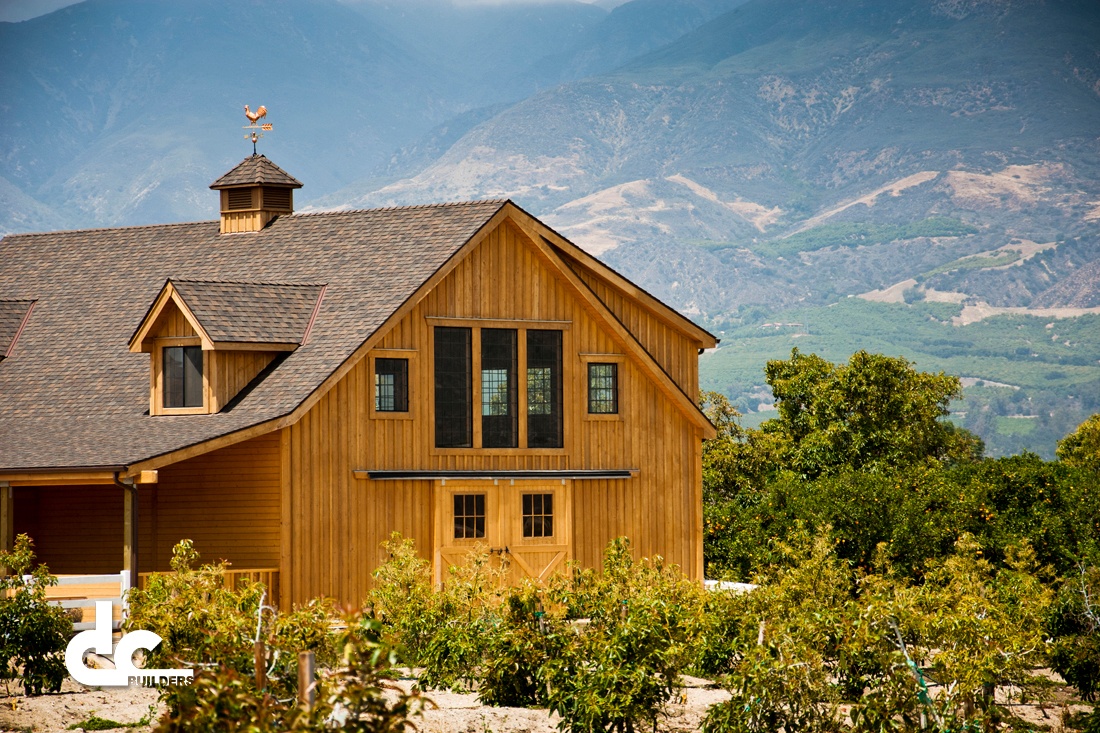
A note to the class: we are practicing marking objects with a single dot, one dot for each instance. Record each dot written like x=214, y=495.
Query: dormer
x=208, y=341
x=254, y=193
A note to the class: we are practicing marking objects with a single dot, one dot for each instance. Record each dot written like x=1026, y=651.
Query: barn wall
x=335, y=522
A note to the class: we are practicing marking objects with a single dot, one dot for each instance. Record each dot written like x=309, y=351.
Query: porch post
x=7, y=521
x=129, y=527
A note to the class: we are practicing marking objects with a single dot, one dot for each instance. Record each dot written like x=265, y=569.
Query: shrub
x=466, y=614
x=815, y=634
x=204, y=624
x=619, y=671
x=33, y=633
x=402, y=599
x=357, y=694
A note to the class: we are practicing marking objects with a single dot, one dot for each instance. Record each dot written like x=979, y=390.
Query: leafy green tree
x=876, y=413
x=1082, y=446
x=1074, y=624
x=736, y=460
x=33, y=633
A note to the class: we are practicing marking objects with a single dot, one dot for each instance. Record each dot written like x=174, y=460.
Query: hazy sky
x=17, y=10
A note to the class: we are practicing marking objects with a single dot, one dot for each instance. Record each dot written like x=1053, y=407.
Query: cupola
x=254, y=193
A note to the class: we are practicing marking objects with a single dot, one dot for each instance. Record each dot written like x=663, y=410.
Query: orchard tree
x=874, y=413
x=1082, y=447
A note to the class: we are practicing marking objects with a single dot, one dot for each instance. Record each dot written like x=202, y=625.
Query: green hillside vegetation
x=856, y=234
x=1058, y=384
x=978, y=262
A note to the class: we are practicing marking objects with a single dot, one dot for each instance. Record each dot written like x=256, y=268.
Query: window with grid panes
x=538, y=515
x=469, y=516
x=603, y=388
x=544, y=411
x=391, y=385
x=499, y=396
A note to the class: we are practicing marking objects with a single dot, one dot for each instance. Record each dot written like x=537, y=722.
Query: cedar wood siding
x=334, y=522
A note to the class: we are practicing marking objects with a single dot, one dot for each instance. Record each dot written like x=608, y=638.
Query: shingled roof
x=73, y=395
x=251, y=312
x=253, y=170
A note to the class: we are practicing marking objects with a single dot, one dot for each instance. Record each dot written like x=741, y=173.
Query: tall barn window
x=498, y=388
x=501, y=378
x=544, y=404
x=453, y=388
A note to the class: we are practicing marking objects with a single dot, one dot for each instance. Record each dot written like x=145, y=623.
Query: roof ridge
x=131, y=227
x=404, y=207
x=247, y=282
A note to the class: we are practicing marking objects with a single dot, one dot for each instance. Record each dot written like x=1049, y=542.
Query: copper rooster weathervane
x=256, y=131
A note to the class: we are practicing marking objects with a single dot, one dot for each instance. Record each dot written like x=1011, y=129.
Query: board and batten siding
x=231, y=371
x=677, y=354
x=334, y=523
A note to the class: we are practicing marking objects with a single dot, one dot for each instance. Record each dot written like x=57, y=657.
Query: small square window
x=538, y=515
x=182, y=376
x=469, y=516
x=391, y=385
x=603, y=389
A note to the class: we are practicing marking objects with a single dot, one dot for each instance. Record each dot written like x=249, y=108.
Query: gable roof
x=256, y=170
x=240, y=313
x=77, y=397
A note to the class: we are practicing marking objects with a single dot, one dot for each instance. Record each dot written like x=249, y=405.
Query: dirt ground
x=453, y=713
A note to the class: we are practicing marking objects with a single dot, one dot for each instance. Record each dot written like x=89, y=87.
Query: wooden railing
x=232, y=578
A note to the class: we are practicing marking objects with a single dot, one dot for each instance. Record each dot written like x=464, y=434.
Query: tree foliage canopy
x=876, y=413
x=1082, y=447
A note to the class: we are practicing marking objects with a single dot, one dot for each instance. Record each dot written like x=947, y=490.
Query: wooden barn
x=288, y=389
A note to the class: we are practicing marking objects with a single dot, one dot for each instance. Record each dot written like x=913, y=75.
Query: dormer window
x=210, y=343
x=183, y=386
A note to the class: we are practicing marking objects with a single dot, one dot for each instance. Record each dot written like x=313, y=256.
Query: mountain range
x=743, y=160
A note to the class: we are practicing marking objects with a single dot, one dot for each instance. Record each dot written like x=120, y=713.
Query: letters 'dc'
x=99, y=640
